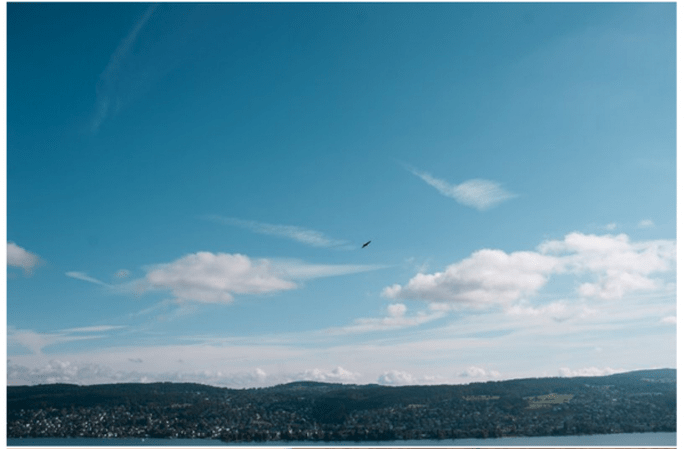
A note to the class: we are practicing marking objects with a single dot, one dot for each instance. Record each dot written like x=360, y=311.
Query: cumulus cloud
x=338, y=374
x=618, y=265
x=19, y=257
x=493, y=277
x=216, y=278
x=487, y=277
x=481, y=194
x=475, y=372
x=647, y=223
x=84, y=277
x=88, y=373
x=299, y=234
x=395, y=377
x=61, y=371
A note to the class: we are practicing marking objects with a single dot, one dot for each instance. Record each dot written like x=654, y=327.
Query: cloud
x=298, y=270
x=645, y=224
x=481, y=194
x=619, y=265
x=493, y=277
x=395, y=377
x=103, y=328
x=475, y=372
x=36, y=341
x=59, y=371
x=488, y=277
x=84, y=277
x=588, y=372
x=558, y=311
x=19, y=257
x=108, y=85
x=396, y=319
x=338, y=374
x=217, y=278
x=669, y=320
x=611, y=226
x=299, y=234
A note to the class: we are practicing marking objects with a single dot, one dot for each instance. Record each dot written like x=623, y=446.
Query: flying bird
x=366, y=244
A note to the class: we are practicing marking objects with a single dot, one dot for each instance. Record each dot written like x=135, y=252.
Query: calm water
x=659, y=439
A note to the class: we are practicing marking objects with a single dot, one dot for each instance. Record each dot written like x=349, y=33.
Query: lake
x=654, y=439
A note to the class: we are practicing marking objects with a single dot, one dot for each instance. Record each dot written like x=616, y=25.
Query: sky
x=189, y=187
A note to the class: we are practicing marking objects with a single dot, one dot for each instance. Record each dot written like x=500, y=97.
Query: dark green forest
x=639, y=401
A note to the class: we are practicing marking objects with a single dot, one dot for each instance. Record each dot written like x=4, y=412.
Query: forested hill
x=625, y=402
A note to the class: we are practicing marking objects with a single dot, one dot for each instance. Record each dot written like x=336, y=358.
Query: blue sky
x=189, y=187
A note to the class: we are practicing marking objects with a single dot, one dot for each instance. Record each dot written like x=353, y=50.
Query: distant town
x=639, y=401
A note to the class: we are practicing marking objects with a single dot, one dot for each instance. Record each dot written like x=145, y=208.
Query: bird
x=366, y=244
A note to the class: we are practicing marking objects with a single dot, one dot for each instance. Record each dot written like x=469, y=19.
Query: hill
x=639, y=401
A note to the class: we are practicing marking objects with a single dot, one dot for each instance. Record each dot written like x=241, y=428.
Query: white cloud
x=558, y=311
x=84, y=277
x=611, y=226
x=588, y=372
x=395, y=377
x=59, y=371
x=19, y=257
x=492, y=277
x=481, y=194
x=216, y=278
x=479, y=373
x=303, y=235
x=488, y=277
x=298, y=270
x=338, y=374
x=669, y=320
x=645, y=224
x=396, y=319
x=619, y=265
x=36, y=341
x=103, y=328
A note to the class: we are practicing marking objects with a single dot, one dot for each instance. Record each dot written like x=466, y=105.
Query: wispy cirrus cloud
x=299, y=234
x=36, y=341
x=397, y=318
x=87, y=329
x=481, y=194
x=84, y=277
x=108, y=87
x=19, y=257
